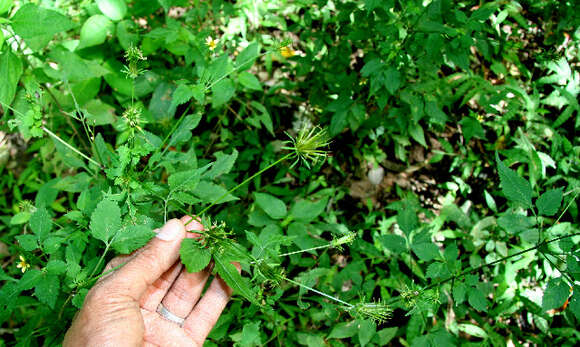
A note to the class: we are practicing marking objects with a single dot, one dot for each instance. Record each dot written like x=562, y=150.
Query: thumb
x=150, y=262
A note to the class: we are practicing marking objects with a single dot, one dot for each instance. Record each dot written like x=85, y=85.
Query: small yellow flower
x=23, y=265
x=287, y=52
x=211, y=43
x=480, y=118
x=362, y=81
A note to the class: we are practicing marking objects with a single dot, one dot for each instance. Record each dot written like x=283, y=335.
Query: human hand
x=122, y=308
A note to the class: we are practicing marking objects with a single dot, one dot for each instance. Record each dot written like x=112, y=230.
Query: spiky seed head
x=346, y=239
x=309, y=145
x=378, y=311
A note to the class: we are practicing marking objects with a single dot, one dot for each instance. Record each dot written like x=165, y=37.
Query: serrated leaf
x=273, y=206
x=394, y=243
x=222, y=165
x=477, y=300
x=222, y=92
x=37, y=25
x=232, y=277
x=557, y=291
x=185, y=180
x=367, y=329
x=248, y=56
x=210, y=192
x=423, y=247
x=28, y=242
x=194, y=256
x=343, y=330
x=183, y=132
x=249, y=81
x=407, y=220
x=514, y=187
x=47, y=290
x=105, y=221
x=181, y=95
x=56, y=267
x=131, y=238
x=41, y=223
x=549, y=202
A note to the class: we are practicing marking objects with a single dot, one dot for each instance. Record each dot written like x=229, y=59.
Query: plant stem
x=470, y=269
x=71, y=147
x=318, y=292
x=287, y=156
x=305, y=250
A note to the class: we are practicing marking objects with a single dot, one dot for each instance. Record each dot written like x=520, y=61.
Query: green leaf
x=407, y=220
x=549, y=202
x=5, y=5
x=472, y=330
x=514, y=187
x=95, y=31
x=105, y=221
x=573, y=266
x=386, y=335
x=182, y=94
x=394, y=243
x=222, y=165
x=306, y=211
x=249, y=81
x=185, y=181
x=114, y=9
x=248, y=56
x=56, y=267
x=344, y=330
x=194, y=256
x=471, y=128
x=424, y=248
x=557, y=292
x=210, y=192
x=131, y=238
x=222, y=92
x=232, y=277
x=392, y=80
x=41, y=223
x=27, y=242
x=20, y=218
x=574, y=304
x=273, y=206
x=47, y=290
x=10, y=70
x=251, y=335
x=367, y=329
x=37, y=25
x=477, y=299
x=183, y=132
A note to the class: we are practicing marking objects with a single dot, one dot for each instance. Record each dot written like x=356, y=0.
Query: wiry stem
x=287, y=156
x=70, y=147
x=318, y=292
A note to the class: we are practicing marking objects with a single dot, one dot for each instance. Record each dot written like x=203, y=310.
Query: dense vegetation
x=427, y=150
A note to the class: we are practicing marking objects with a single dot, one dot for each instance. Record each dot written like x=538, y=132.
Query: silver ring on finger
x=170, y=316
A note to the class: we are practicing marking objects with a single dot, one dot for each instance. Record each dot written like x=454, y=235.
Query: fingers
x=155, y=292
x=186, y=290
x=150, y=263
x=206, y=313
x=119, y=260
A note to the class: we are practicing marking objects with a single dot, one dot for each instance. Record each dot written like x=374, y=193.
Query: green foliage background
x=454, y=157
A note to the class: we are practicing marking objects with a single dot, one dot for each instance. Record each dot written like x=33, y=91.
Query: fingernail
x=168, y=232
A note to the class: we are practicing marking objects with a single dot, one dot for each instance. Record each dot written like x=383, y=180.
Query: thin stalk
x=287, y=156
x=470, y=269
x=305, y=250
x=318, y=292
x=71, y=147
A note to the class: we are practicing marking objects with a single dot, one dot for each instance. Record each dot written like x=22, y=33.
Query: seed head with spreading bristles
x=308, y=145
